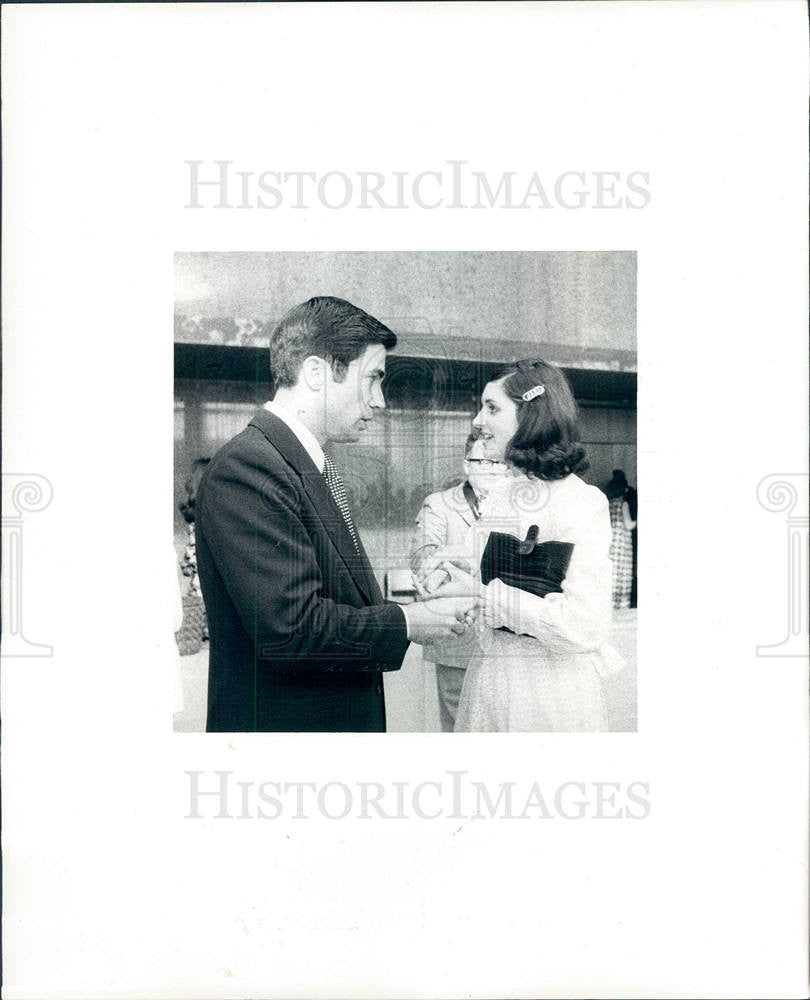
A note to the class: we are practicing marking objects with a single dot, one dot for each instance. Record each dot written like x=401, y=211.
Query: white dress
x=544, y=674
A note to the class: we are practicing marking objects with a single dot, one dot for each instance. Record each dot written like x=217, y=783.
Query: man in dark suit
x=299, y=632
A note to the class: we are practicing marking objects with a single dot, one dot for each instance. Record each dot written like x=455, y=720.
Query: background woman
x=443, y=522
x=546, y=606
x=194, y=630
x=622, y=524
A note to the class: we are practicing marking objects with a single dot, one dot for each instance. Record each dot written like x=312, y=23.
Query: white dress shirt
x=304, y=434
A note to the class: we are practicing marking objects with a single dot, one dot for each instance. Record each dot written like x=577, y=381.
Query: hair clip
x=538, y=390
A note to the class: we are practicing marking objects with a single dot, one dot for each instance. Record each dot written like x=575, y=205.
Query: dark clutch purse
x=536, y=568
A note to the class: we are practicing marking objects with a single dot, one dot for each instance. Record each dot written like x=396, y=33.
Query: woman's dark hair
x=328, y=328
x=192, y=485
x=546, y=443
x=617, y=486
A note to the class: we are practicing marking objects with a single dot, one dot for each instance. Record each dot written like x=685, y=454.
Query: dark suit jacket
x=299, y=630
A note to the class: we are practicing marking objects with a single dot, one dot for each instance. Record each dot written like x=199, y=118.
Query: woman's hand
x=429, y=572
x=458, y=558
x=459, y=583
x=423, y=561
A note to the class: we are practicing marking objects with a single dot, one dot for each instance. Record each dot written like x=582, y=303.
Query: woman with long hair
x=539, y=565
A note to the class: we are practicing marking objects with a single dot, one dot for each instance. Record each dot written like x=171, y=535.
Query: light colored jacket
x=444, y=520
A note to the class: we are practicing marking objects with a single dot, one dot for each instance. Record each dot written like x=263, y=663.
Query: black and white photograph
x=463, y=447
x=405, y=500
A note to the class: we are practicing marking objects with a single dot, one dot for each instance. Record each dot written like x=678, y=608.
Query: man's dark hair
x=546, y=443
x=327, y=328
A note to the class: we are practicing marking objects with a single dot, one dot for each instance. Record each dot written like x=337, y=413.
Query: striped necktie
x=338, y=491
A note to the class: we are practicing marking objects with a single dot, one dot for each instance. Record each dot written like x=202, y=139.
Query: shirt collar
x=304, y=434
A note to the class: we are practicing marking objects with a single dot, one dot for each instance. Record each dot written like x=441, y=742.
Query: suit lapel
x=327, y=511
x=335, y=526
x=462, y=504
x=370, y=586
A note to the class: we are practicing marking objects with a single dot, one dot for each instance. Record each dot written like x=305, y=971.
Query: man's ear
x=314, y=372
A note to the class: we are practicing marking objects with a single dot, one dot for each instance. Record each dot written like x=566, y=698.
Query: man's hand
x=439, y=619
